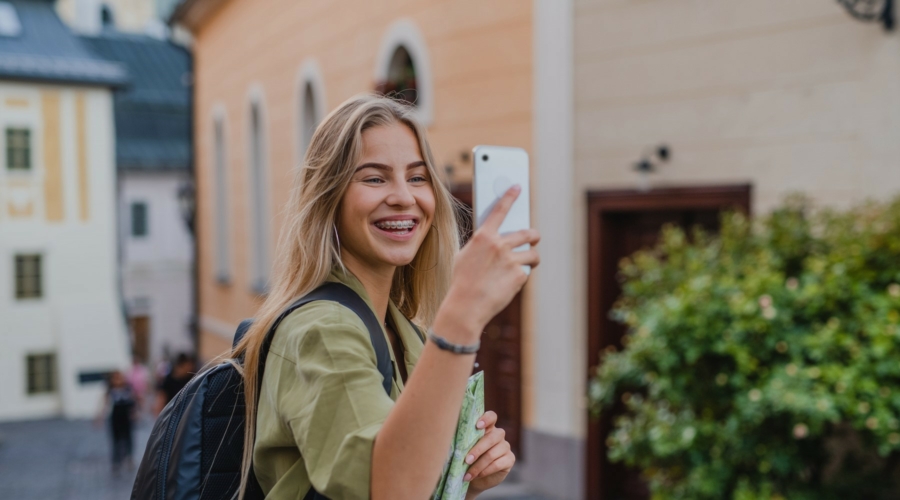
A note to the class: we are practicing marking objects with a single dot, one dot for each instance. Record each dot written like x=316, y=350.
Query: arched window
x=310, y=105
x=309, y=118
x=220, y=171
x=403, y=68
x=401, y=77
x=106, y=17
x=259, y=201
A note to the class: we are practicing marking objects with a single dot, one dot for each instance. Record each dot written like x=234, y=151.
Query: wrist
x=456, y=326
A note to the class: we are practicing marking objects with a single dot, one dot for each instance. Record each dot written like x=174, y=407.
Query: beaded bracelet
x=446, y=345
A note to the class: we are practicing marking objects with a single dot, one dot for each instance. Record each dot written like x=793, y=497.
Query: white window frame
x=259, y=198
x=9, y=20
x=52, y=377
x=131, y=226
x=30, y=147
x=404, y=33
x=42, y=276
x=309, y=76
x=219, y=160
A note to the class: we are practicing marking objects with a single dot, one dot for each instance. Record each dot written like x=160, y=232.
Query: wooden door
x=619, y=224
x=501, y=354
x=140, y=331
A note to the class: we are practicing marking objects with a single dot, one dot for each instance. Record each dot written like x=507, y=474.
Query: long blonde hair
x=308, y=248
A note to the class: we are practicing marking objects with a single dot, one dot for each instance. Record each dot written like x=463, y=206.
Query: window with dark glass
x=106, y=17
x=41, y=374
x=139, y=219
x=28, y=276
x=18, y=148
x=308, y=118
x=259, y=213
x=401, y=78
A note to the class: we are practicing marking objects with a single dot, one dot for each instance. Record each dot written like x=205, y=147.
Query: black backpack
x=195, y=449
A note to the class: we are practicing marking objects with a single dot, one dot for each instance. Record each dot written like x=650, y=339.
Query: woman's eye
x=373, y=180
x=418, y=178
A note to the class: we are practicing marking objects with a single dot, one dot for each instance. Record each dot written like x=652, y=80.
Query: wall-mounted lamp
x=648, y=163
x=881, y=11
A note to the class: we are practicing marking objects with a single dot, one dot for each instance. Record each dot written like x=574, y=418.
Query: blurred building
x=636, y=114
x=91, y=17
x=62, y=325
x=153, y=159
x=154, y=164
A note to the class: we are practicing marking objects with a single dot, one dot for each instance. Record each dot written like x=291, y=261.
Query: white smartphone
x=498, y=168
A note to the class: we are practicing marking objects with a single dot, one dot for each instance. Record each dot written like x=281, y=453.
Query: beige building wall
x=791, y=96
x=479, y=60
x=787, y=96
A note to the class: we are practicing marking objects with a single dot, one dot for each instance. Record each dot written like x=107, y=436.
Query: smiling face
x=388, y=207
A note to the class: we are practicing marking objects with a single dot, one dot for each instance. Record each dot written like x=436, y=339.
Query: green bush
x=763, y=362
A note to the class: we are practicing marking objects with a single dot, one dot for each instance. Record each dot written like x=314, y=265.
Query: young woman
x=368, y=210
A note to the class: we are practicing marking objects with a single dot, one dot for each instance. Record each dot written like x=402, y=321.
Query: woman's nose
x=401, y=195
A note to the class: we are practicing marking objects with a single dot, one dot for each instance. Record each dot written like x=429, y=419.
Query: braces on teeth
x=402, y=224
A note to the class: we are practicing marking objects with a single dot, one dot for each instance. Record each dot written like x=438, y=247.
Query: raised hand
x=488, y=273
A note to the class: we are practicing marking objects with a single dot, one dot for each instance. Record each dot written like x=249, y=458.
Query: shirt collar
x=412, y=343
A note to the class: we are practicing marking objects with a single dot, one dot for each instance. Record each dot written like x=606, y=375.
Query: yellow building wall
x=481, y=65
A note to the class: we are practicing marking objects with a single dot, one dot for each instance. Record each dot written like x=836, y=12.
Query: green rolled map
x=451, y=485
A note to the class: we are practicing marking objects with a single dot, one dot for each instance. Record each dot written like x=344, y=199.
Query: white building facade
x=156, y=264
x=62, y=326
x=62, y=322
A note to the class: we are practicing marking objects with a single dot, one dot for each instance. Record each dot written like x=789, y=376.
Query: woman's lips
x=396, y=229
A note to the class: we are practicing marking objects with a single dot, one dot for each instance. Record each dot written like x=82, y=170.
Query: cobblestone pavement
x=69, y=460
x=62, y=460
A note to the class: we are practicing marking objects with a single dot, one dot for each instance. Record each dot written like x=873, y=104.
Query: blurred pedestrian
x=119, y=409
x=139, y=379
x=182, y=372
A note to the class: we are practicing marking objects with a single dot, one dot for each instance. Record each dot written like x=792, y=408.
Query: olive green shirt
x=322, y=401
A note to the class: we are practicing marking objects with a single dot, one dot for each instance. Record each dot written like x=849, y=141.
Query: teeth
x=396, y=224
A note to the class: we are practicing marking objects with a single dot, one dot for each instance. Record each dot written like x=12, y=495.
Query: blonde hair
x=308, y=248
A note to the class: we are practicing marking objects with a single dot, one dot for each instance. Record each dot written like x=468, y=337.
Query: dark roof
x=153, y=121
x=46, y=50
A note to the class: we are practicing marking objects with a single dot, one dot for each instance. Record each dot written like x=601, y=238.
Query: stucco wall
x=479, y=58
x=787, y=96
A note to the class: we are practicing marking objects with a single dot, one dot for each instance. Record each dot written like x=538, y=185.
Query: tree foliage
x=763, y=362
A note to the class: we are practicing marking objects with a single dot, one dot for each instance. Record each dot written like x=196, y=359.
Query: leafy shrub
x=763, y=362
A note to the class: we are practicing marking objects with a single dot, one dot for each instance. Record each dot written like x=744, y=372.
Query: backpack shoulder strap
x=345, y=296
x=418, y=332
x=240, y=332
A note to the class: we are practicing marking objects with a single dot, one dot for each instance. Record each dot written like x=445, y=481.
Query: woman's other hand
x=487, y=273
x=491, y=459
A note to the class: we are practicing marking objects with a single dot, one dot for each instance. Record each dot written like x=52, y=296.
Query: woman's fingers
x=487, y=458
x=488, y=441
x=527, y=258
x=519, y=238
x=488, y=420
x=503, y=464
x=493, y=221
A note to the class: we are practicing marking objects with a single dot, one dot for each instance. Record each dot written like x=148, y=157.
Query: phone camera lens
x=484, y=157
